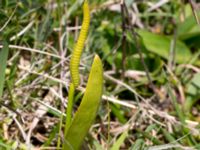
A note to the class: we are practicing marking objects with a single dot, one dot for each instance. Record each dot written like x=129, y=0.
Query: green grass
x=3, y=61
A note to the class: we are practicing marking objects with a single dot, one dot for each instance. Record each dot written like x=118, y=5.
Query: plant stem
x=60, y=128
x=69, y=108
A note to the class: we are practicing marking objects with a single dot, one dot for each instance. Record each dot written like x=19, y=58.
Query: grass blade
x=3, y=60
x=120, y=141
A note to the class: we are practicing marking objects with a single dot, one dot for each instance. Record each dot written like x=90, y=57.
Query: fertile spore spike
x=75, y=59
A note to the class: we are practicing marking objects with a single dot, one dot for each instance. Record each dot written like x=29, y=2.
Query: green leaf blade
x=3, y=61
x=160, y=45
x=120, y=141
x=87, y=110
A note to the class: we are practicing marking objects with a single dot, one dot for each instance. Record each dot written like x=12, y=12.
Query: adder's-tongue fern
x=76, y=128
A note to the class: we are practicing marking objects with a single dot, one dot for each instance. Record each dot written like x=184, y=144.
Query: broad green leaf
x=188, y=26
x=160, y=45
x=3, y=60
x=153, y=63
x=189, y=32
x=87, y=110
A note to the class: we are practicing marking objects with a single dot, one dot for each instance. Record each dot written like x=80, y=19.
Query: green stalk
x=69, y=108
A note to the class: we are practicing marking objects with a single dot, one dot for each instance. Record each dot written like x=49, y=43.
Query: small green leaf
x=118, y=113
x=3, y=60
x=87, y=110
x=160, y=45
x=120, y=141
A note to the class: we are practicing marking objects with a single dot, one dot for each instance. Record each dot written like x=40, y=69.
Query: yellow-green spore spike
x=75, y=59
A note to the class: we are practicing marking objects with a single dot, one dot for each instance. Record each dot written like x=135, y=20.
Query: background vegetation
x=150, y=51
